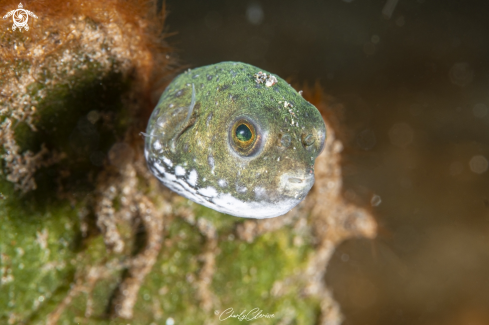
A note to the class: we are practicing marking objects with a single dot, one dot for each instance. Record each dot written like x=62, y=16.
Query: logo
x=20, y=17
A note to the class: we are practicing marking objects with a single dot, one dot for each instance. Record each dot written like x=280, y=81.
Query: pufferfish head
x=235, y=138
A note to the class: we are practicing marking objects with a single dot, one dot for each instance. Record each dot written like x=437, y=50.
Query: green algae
x=37, y=250
x=242, y=280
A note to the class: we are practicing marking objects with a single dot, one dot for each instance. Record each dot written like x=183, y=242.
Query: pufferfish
x=236, y=139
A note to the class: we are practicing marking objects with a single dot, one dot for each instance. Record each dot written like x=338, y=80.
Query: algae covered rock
x=88, y=235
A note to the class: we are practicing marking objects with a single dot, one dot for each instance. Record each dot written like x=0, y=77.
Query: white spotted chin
x=226, y=203
x=218, y=200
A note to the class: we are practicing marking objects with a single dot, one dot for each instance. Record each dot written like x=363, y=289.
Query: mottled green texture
x=244, y=276
x=37, y=251
x=273, y=257
x=190, y=148
x=39, y=232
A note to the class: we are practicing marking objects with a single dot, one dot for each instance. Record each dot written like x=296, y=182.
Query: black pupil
x=243, y=133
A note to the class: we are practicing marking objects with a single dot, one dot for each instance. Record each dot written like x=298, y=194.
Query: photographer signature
x=253, y=314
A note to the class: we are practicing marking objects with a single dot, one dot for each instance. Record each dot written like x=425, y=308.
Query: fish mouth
x=296, y=184
x=296, y=180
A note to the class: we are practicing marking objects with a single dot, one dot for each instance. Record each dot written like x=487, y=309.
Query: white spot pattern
x=192, y=178
x=208, y=191
x=167, y=161
x=159, y=168
x=180, y=171
x=157, y=145
x=222, y=183
x=260, y=193
x=224, y=202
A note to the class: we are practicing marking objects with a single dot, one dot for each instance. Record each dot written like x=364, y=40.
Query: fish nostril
x=308, y=140
x=285, y=140
x=295, y=180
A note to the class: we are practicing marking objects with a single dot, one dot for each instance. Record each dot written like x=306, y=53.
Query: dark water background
x=416, y=90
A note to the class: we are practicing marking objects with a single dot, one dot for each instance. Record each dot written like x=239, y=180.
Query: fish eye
x=244, y=137
x=243, y=133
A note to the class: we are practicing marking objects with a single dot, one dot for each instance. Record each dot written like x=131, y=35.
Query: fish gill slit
x=187, y=123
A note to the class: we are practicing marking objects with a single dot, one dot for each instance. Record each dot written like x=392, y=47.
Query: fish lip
x=296, y=180
x=296, y=184
x=299, y=179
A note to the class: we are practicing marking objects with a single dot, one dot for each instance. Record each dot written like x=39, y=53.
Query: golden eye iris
x=244, y=137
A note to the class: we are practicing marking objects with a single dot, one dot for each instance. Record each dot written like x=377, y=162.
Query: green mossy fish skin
x=190, y=146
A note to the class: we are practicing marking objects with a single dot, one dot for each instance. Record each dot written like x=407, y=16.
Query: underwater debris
x=268, y=80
